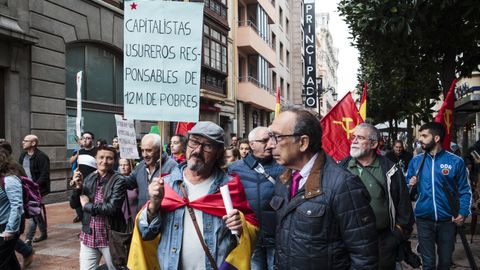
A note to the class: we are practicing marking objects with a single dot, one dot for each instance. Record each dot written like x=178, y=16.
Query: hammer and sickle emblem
x=345, y=123
x=447, y=117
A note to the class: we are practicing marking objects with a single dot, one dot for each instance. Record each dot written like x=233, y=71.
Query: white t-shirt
x=193, y=255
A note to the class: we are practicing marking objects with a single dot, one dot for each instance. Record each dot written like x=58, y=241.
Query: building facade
x=327, y=63
x=467, y=111
x=44, y=43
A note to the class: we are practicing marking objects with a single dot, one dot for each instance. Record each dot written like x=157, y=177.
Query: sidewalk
x=61, y=250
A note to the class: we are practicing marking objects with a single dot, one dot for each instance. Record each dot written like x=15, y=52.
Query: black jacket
x=400, y=208
x=115, y=192
x=328, y=224
x=40, y=170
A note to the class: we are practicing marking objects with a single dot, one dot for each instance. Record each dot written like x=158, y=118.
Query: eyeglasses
x=275, y=137
x=264, y=141
x=207, y=147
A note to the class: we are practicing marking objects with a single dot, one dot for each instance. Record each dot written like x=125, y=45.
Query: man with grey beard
x=388, y=191
x=183, y=208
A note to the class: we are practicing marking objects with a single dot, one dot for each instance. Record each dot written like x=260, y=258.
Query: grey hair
x=157, y=140
x=373, y=132
x=253, y=133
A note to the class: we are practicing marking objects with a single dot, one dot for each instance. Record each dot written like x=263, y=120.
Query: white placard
x=78, y=127
x=71, y=132
x=162, y=58
x=227, y=201
x=127, y=139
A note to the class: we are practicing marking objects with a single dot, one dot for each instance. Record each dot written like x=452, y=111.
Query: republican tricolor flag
x=143, y=254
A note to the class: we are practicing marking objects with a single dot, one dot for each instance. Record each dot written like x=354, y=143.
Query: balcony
x=250, y=42
x=252, y=92
x=267, y=5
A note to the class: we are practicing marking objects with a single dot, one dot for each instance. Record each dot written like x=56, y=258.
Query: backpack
x=32, y=200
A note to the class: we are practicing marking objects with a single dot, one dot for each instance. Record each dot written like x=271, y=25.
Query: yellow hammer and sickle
x=447, y=116
x=345, y=123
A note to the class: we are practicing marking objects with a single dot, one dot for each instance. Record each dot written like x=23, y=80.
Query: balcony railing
x=256, y=83
x=252, y=25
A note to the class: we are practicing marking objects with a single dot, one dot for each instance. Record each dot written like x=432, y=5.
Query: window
x=214, y=49
x=102, y=86
x=287, y=25
x=282, y=90
x=274, y=81
x=288, y=91
x=217, y=6
x=281, y=52
x=274, y=41
x=102, y=73
x=214, y=68
x=280, y=16
x=287, y=57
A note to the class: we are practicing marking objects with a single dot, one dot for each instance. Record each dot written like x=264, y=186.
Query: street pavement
x=61, y=250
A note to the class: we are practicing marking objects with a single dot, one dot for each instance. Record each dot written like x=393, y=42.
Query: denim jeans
x=23, y=248
x=8, y=260
x=441, y=233
x=32, y=226
x=263, y=258
x=90, y=257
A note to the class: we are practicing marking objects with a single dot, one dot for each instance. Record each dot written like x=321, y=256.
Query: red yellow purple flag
x=338, y=126
x=143, y=254
x=445, y=115
x=363, y=103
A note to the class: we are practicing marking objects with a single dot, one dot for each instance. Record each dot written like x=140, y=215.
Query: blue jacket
x=139, y=178
x=443, y=168
x=259, y=191
x=216, y=234
x=11, y=204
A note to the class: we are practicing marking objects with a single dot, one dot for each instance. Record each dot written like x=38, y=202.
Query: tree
x=412, y=49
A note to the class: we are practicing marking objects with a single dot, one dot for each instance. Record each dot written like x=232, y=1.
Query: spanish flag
x=363, y=103
x=143, y=254
x=277, y=103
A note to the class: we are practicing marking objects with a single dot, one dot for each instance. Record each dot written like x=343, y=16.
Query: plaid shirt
x=98, y=223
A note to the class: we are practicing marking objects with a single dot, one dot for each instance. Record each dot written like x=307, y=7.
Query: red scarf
x=212, y=203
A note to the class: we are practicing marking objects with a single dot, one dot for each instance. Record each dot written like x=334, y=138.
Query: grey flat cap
x=208, y=130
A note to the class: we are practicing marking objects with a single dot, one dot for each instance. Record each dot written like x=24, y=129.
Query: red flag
x=338, y=126
x=212, y=203
x=445, y=115
x=184, y=127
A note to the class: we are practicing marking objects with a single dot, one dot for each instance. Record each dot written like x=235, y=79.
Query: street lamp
x=321, y=90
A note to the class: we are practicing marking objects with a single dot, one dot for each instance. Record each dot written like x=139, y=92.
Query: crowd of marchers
x=294, y=207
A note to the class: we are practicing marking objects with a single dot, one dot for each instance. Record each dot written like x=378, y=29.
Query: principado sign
x=309, y=55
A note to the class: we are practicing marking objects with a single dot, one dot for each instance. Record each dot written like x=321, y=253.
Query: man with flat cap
x=187, y=211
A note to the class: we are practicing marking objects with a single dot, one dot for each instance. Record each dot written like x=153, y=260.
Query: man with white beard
x=388, y=191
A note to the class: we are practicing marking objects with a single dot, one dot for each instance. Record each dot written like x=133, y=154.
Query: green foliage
x=410, y=50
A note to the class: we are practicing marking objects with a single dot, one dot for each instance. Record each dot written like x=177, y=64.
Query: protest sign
x=162, y=58
x=127, y=139
x=72, y=131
